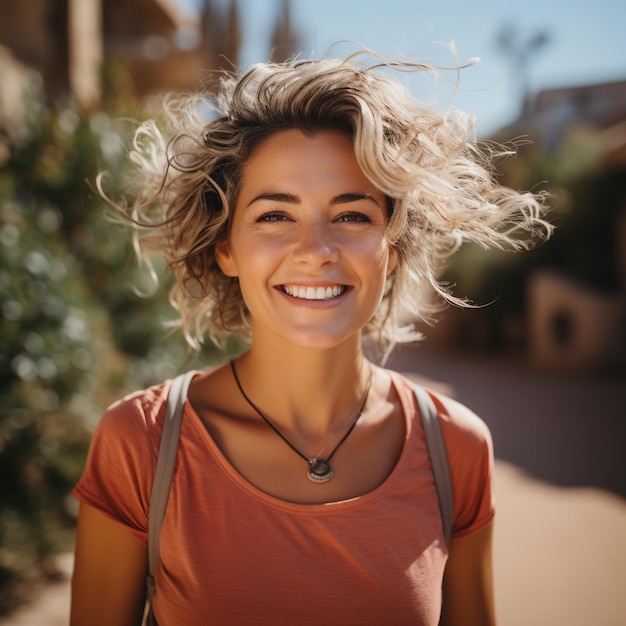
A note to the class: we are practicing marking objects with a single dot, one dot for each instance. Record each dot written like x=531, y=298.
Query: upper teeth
x=314, y=293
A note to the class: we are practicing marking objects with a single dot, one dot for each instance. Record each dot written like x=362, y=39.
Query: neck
x=305, y=390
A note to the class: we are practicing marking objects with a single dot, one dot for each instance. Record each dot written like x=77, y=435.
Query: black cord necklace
x=319, y=469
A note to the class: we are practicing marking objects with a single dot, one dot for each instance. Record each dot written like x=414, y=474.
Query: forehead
x=306, y=160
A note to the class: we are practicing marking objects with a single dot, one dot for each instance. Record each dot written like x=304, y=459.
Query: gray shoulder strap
x=438, y=458
x=164, y=470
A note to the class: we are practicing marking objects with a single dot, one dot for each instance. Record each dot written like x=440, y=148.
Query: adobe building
x=567, y=320
x=69, y=42
x=573, y=325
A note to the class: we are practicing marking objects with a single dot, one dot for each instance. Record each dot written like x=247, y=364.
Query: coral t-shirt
x=234, y=555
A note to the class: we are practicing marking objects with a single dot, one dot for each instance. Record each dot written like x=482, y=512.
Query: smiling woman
x=315, y=207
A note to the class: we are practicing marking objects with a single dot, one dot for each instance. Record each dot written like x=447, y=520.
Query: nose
x=315, y=244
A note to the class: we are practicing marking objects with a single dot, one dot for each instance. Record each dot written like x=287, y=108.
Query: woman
x=317, y=204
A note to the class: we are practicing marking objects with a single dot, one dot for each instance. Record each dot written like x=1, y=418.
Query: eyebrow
x=289, y=198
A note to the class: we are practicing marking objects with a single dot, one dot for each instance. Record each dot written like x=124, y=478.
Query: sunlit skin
x=307, y=218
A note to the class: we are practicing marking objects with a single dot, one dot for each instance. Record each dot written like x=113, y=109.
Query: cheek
x=378, y=264
x=382, y=254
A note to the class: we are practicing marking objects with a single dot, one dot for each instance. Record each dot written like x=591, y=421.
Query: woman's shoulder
x=458, y=419
x=469, y=450
x=118, y=474
x=459, y=423
x=141, y=410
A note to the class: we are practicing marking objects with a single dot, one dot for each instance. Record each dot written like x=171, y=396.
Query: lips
x=313, y=293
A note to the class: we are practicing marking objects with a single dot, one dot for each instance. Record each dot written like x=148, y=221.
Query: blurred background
x=544, y=363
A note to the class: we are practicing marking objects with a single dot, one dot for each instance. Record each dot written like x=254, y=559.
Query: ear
x=225, y=260
x=392, y=261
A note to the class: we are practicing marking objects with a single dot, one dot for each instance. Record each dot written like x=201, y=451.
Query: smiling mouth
x=314, y=293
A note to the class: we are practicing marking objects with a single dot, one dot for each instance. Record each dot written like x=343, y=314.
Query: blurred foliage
x=74, y=335
x=49, y=340
x=586, y=197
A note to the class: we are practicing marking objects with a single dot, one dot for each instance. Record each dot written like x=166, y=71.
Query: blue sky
x=587, y=41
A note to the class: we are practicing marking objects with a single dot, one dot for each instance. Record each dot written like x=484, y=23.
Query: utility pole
x=520, y=48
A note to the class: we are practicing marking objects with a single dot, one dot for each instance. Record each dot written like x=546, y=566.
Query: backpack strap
x=438, y=458
x=163, y=475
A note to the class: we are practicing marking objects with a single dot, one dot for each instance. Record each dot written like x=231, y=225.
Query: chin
x=322, y=341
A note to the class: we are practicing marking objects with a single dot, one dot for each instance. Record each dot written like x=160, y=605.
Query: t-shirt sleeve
x=117, y=479
x=470, y=453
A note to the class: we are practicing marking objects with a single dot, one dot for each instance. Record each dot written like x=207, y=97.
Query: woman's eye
x=353, y=217
x=272, y=217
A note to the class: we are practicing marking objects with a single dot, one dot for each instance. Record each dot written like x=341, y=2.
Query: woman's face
x=307, y=240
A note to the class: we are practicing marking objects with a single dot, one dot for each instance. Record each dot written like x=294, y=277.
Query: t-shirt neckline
x=409, y=411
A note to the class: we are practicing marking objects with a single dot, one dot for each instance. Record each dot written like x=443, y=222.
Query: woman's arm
x=468, y=581
x=108, y=585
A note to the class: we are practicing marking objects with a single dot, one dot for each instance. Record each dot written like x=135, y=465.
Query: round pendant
x=319, y=471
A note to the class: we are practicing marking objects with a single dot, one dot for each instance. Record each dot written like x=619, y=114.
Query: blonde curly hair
x=439, y=182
